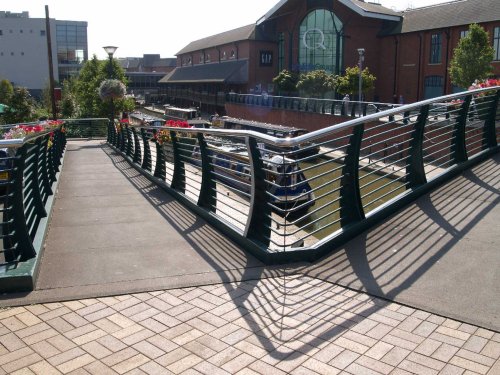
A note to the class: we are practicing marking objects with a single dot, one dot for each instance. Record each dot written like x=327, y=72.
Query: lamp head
x=110, y=50
x=361, y=51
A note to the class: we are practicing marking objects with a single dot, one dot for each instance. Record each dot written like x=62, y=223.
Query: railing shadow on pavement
x=389, y=259
x=283, y=303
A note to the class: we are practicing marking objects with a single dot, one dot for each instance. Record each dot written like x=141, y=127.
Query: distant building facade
x=24, y=51
x=144, y=73
x=409, y=52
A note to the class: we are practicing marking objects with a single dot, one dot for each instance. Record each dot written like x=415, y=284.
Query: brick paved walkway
x=292, y=324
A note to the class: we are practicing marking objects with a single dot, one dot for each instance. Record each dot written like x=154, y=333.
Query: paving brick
x=453, y=333
x=74, y=319
x=379, y=350
x=96, y=350
x=427, y=347
x=19, y=363
x=44, y=368
x=451, y=370
x=351, y=345
x=185, y=363
x=98, y=368
x=426, y=361
x=207, y=368
x=447, y=339
x=61, y=343
x=344, y=359
x=173, y=356
x=153, y=368
x=469, y=365
x=374, y=365
x=487, y=334
x=445, y=352
x=238, y=363
x=491, y=349
x=318, y=367
x=45, y=349
x=111, y=343
x=425, y=328
x=40, y=336
x=66, y=356
x=162, y=343
x=475, y=344
x=416, y=368
x=379, y=331
x=484, y=360
x=75, y=363
x=11, y=342
x=119, y=356
x=264, y=368
x=395, y=356
x=131, y=363
x=88, y=337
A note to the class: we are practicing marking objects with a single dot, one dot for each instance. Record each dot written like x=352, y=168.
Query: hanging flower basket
x=111, y=89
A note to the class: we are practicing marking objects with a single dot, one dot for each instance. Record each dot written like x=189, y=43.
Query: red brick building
x=409, y=52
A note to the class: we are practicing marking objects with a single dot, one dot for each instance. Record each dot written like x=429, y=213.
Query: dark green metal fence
x=288, y=199
x=29, y=168
x=86, y=128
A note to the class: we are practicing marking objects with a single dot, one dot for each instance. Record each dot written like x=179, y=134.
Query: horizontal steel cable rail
x=284, y=204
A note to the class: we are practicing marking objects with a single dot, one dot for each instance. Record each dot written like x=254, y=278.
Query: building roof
x=235, y=71
x=371, y=10
x=453, y=13
x=231, y=36
x=364, y=9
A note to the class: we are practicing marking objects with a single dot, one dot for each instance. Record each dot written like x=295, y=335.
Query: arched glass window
x=320, y=42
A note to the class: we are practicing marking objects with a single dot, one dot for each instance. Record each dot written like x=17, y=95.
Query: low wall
x=306, y=120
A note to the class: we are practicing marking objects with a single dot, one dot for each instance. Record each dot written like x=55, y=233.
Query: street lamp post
x=110, y=50
x=361, y=52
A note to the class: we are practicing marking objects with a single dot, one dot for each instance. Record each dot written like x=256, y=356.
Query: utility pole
x=51, y=67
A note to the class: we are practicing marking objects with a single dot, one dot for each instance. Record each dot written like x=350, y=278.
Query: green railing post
x=32, y=182
x=489, y=133
x=137, y=147
x=123, y=138
x=45, y=165
x=458, y=147
x=351, y=207
x=258, y=227
x=415, y=171
x=179, y=175
x=130, y=146
x=208, y=196
x=160, y=171
x=146, y=162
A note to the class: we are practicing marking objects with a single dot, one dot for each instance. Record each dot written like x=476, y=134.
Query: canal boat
x=287, y=184
x=303, y=150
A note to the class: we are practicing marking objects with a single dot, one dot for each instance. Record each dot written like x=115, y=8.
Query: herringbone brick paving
x=286, y=325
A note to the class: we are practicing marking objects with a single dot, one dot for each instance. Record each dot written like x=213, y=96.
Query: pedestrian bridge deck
x=113, y=232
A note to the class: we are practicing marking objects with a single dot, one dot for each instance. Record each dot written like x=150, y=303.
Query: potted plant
x=483, y=100
x=111, y=89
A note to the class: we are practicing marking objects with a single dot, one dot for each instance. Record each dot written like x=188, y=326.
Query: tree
x=6, y=91
x=22, y=107
x=472, y=58
x=317, y=83
x=286, y=81
x=349, y=82
x=86, y=89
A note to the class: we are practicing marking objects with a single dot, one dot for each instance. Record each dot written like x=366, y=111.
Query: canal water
x=325, y=175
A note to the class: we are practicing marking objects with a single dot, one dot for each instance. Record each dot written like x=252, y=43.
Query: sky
x=159, y=26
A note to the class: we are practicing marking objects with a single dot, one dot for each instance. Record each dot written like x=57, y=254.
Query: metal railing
x=86, y=128
x=350, y=108
x=288, y=199
x=29, y=169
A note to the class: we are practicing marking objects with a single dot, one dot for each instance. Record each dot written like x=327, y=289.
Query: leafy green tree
x=6, y=91
x=68, y=102
x=86, y=90
x=286, y=81
x=349, y=82
x=472, y=58
x=317, y=83
x=22, y=107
